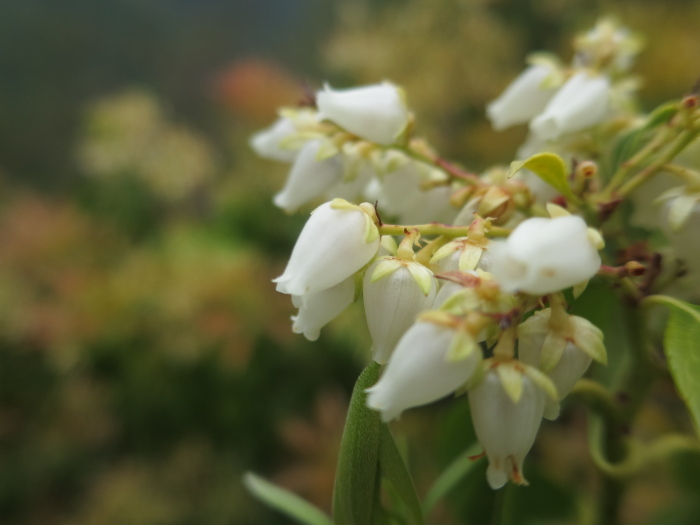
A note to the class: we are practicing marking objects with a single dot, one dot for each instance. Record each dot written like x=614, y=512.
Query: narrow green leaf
x=284, y=501
x=393, y=468
x=451, y=476
x=548, y=167
x=682, y=345
x=353, y=494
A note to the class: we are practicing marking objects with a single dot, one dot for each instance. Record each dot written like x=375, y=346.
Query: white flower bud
x=376, y=113
x=543, y=256
x=318, y=309
x=394, y=293
x=337, y=241
x=523, y=99
x=504, y=427
x=266, y=143
x=418, y=372
x=309, y=177
x=581, y=103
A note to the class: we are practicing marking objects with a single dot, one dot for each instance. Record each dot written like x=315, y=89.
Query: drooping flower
x=401, y=193
x=266, y=143
x=318, y=309
x=395, y=291
x=419, y=371
x=581, y=103
x=309, y=177
x=563, y=348
x=376, y=112
x=543, y=255
x=525, y=98
x=465, y=253
x=283, y=139
x=506, y=409
x=338, y=240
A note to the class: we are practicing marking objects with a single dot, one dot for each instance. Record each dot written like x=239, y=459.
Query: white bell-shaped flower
x=419, y=372
x=505, y=427
x=318, y=309
x=561, y=345
x=572, y=364
x=338, y=240
x=395, y=291
x=523, y=99
x=376, y=113
x=353, y=188
x=581, y=103
x=309, y=177
x=447, y=290
x=266, y=143
x=401, y=194
x=543, y=255
x=684, y=238
x=462, y=255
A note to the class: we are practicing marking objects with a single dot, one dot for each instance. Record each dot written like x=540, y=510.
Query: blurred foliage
x=146, y=361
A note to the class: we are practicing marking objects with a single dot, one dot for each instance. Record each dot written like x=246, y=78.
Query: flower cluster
x=479, y=308
x=353, y=146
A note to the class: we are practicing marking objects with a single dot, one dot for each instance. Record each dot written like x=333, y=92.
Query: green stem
x=609, y=443
x=690, y=177
x=435, y=228
x=439, y=162
x=597, y=398
x=678, y=145
x=662, y=138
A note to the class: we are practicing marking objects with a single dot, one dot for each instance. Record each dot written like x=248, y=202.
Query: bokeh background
x=146, y=361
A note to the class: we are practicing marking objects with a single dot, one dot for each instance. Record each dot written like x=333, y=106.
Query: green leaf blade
x=284, y=501
x=449, y=478
x=394, y=469
x=682, y=345
x=550, y=168
x=356, y=476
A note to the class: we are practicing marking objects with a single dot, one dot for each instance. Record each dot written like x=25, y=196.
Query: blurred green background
x=146, y=361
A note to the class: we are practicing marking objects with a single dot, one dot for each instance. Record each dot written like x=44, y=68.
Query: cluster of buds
x=478, y=309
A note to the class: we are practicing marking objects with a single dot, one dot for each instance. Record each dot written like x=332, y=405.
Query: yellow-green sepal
x=462, y=346
x=542, y=380
x=589, y=339
x=388, y=266
x=552, y=350
x=422, y=276
x=511, y=381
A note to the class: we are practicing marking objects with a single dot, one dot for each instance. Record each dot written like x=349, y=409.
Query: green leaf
x=284, y=501
x=353, y=494
x=682, y=345
x=394, y=469
x=451, y=476
x=548, y=167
